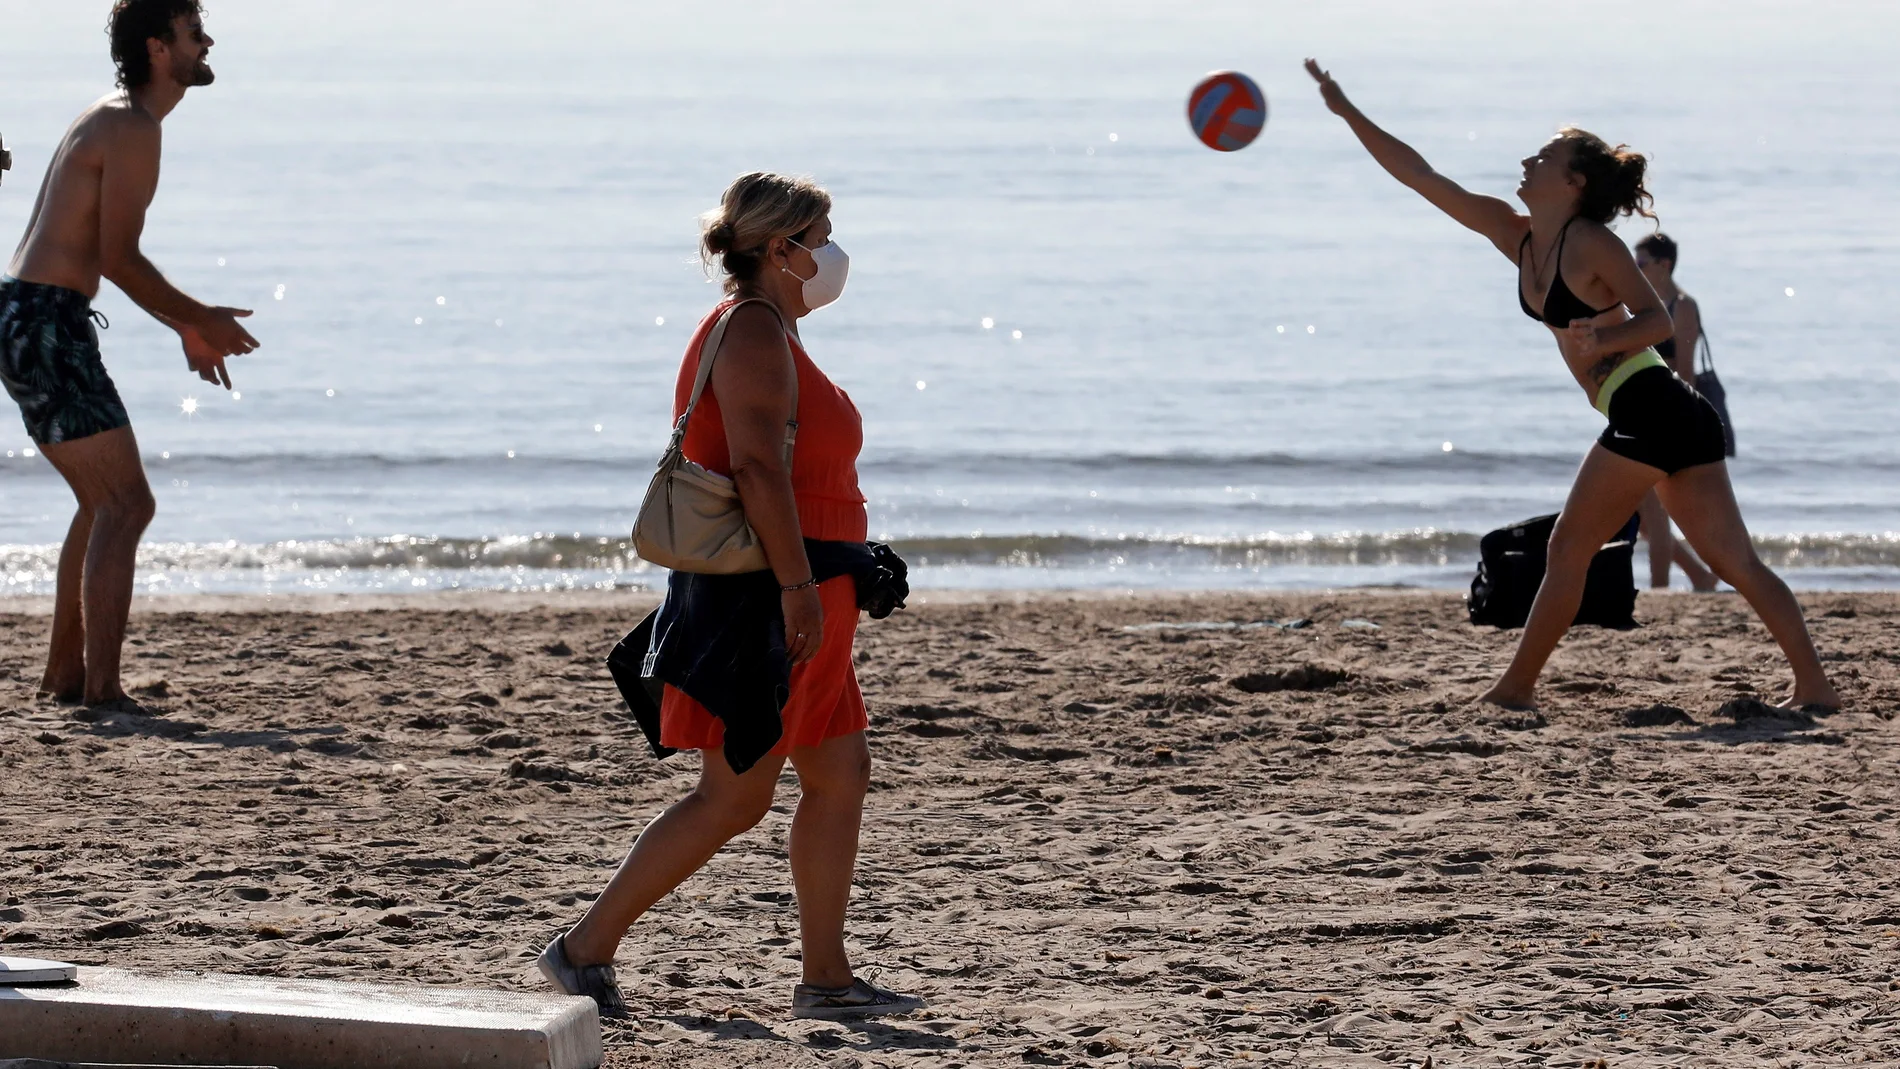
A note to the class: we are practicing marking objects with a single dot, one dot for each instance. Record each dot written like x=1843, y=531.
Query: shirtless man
x=85, y=226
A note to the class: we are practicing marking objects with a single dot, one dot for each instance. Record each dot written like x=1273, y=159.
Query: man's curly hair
x=135, y=22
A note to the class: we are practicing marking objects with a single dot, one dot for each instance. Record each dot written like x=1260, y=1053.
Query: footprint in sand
x=1655, y=716
x=1301, y=677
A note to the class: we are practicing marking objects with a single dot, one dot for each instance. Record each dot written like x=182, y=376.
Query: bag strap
x=708, y=354
x=1705, y=361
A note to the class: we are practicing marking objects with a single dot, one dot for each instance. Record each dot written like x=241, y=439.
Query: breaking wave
x=543, y=561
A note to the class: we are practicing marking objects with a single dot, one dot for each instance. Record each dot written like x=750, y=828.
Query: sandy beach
x=1090, y=841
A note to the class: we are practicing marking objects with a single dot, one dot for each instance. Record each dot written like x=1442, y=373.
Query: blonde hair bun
x=755, y=209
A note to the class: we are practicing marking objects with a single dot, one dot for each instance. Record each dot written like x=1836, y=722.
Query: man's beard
x=199, y=73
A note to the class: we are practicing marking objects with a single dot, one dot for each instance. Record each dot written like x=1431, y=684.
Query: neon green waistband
x=1642, y=361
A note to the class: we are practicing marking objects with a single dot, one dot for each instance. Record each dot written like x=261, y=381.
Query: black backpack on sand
x=1511, y=567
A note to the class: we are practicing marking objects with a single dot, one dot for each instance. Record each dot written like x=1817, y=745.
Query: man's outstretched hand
x=221, y=330
x=203, y=359
x=218, y=337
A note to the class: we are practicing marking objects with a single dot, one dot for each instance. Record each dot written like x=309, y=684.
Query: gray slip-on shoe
x=861, y=999
x=595, y=981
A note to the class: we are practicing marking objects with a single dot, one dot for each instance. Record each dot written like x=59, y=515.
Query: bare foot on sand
x=1823, y=697
x=62, y=695
x=1507, y=697
x=66, y=685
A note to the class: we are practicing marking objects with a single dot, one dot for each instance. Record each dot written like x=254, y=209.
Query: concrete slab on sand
x=197, y=1019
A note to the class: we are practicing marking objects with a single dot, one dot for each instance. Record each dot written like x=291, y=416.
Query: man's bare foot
x=1824, y=697
x=121, y=704
x=66, y=686
x=1523, y=701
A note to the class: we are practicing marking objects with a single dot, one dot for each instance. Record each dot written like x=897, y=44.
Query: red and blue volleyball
x=1227, y=111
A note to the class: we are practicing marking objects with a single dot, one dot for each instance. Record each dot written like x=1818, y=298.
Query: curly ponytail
x=756, y=208
x=1612, y=177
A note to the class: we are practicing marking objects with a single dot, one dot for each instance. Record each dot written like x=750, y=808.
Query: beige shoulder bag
x=691, y=519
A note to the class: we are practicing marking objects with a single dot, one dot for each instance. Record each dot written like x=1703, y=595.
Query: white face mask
x=823, y=287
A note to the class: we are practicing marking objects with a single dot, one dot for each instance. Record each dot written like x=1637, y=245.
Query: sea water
x=1089, y=351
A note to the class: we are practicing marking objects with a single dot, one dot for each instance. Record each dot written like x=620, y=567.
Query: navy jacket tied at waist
x=721, y=640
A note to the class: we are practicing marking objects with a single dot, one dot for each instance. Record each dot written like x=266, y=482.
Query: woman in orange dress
x=771, y=236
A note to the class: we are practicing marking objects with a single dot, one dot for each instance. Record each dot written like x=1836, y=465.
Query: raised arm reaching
x=1502, y=224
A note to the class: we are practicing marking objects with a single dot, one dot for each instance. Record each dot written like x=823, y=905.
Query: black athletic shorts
x=50, y=365
x=1659, y=420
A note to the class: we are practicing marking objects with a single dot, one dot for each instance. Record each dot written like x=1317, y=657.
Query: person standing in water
x=1604, y=316
x=1656, y=258
x=86, y=226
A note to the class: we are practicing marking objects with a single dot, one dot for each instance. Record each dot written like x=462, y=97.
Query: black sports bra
x=1560, y=305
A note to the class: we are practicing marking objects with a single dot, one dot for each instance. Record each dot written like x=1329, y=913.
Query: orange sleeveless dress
x=825, y=701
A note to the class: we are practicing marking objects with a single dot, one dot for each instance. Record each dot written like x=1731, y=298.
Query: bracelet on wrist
x=812, y=582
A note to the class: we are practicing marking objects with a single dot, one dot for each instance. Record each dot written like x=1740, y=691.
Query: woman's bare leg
x=1700, y=578
x=1665, y=549
x=833, y=777
x=1703, y=502
x=1609, y=488
x=1662, y=541
x=672, y=848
